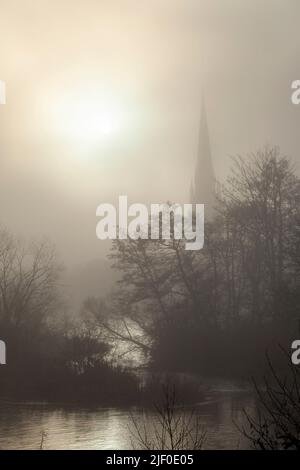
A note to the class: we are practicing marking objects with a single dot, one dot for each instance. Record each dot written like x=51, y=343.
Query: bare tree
x=171, y=426
x=158, y=276
x=28, y=282
x=247, y=274
x=277, y=424
x=260, y=209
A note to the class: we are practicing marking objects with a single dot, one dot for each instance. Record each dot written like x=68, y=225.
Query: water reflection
x=22, y=424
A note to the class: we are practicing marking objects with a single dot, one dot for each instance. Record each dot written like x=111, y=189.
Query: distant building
x=203, y=185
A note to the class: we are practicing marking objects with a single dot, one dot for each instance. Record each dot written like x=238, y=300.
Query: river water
x=66, y=427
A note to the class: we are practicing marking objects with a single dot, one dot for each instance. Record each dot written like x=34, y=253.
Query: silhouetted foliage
x=277, y=424
x=171, y=426
x=215, y=310
x=48, y=360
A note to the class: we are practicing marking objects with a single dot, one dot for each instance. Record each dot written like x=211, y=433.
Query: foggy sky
x=154, y=58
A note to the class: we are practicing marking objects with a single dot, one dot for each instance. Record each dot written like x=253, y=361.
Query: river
x=67, y=427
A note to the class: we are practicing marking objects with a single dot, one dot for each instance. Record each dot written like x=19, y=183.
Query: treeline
x=210, y=312
x=215, y=311
x=50, y=357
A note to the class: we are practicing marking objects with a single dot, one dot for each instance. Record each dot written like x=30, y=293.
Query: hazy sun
x=84, y=116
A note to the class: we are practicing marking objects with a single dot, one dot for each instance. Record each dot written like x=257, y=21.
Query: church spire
x=203, y=183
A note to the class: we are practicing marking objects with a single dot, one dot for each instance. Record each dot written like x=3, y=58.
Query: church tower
x=203, y=186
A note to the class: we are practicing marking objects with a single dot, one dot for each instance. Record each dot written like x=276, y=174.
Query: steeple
x=203, y=184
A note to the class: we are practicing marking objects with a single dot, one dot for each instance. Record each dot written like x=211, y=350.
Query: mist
x=166, y=101
x=154, y=61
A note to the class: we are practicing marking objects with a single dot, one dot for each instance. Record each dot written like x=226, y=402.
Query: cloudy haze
x=145, y=65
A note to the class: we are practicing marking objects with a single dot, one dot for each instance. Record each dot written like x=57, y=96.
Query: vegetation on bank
x=209, y=312
x=276, y=422
x=214, y=311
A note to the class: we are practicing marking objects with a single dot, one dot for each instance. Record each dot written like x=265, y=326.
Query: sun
x=82, y=116
x=87, y=119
